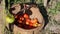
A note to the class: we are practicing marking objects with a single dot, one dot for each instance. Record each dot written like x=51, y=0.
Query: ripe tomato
x=27, y=22
x=31, y=24
x=19, y=21
x=35, y=25
x=26, y=16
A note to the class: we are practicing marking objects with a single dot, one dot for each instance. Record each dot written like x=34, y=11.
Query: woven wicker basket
x=36, y=14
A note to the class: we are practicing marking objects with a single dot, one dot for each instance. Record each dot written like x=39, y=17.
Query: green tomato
x=10, y=19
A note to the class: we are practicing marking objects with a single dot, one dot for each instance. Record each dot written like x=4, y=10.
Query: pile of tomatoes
x=25, y=19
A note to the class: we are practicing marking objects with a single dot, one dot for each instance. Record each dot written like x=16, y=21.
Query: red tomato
x=22, y=18
x=26, y=16
x=28, y=20
x=31, y=24
x=27, y=23
x=19, y=21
